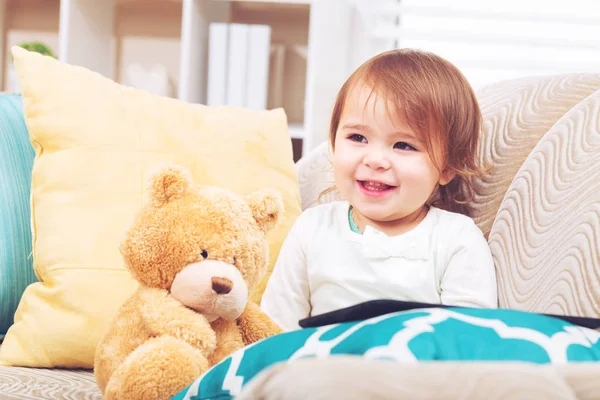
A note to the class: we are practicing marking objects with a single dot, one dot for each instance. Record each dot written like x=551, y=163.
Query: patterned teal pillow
x=16, y=162
x=445, y=334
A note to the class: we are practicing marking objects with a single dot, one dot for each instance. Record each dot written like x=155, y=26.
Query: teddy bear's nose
x=221, y=285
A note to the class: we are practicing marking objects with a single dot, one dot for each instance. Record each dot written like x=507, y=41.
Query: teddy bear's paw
x=158, y=369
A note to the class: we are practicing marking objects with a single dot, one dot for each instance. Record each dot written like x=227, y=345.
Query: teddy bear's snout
x=213, y=288
x=221, y=285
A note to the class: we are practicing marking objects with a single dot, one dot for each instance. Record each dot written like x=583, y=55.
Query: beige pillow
x=95, y=142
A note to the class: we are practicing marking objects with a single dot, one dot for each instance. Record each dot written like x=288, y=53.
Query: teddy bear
x=196, y=253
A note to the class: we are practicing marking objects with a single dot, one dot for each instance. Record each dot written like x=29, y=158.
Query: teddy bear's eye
x=204, y=254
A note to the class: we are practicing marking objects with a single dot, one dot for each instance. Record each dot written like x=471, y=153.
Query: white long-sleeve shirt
x=324, y=266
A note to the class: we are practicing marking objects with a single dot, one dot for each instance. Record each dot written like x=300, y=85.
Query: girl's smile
x=376, y=189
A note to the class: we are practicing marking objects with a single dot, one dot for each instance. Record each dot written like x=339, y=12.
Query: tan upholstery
x=353, y=378
x=546, y=235
x=516, y=115
x=47, y=384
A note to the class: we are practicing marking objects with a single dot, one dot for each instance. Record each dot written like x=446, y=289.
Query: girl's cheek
x=343, y=154
x=414, y=168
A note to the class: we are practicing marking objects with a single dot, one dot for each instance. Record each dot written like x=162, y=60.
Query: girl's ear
x=446, y=176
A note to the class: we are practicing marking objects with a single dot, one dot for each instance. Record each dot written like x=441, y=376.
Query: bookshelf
x=164, y=46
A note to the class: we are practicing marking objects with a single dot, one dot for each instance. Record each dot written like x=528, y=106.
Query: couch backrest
x=539, y=206
x=541, y=202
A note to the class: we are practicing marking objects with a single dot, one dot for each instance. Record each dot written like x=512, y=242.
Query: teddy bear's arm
x=255, y=325
x=163, y=315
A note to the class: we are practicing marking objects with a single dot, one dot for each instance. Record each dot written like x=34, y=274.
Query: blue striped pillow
x=16, y=162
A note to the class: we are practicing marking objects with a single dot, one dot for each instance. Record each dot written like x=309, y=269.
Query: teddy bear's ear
x=267, y=208
x=170, y=182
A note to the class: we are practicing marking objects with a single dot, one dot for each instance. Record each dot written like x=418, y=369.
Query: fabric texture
x=96, y=142
x=16, y=161
x=516, y=115
x=546, y=235
x=18, y=383
x=315, y=176
x=353, y=378
x=324, y=265
x=434, y=334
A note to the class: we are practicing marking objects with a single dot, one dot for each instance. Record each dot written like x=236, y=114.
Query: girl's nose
x=377, y=159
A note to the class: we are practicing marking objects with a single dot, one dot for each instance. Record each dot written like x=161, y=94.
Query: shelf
x=272, y=2
x=162, y=46
x=86, y=34
x=24, y=21
x=296, y=131
x=32, y=15
x=148, y=18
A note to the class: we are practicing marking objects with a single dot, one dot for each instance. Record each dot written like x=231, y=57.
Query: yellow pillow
x=95, y=142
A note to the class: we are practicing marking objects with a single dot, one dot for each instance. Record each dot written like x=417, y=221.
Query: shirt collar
x=414, y=244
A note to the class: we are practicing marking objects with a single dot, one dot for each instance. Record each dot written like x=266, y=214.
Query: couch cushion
x=353, y=378
x=546, y=237
x=37, y=383
x=95, y=143
x=16, y=161
x=516, y=114
x=315, y=176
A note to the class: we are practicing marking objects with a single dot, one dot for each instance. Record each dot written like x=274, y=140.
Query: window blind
x=495, y=40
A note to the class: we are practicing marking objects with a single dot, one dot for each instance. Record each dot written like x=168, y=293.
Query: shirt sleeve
x=470, y=276
x=286, y=298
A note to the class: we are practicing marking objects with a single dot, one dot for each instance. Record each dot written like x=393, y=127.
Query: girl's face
x=380, y=165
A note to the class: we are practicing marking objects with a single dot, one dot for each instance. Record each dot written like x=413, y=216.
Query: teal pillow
x=16, y=162
x=441, y=334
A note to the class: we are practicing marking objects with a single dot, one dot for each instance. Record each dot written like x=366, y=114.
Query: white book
x=217, y=64
x=259, y=46
x=237, y=65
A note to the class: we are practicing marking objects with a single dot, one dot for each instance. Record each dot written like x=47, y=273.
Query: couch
x=539, y=207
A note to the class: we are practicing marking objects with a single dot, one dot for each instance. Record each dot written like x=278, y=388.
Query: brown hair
x=438, y=103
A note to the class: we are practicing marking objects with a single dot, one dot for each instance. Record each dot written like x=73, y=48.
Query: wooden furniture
x=108, y=36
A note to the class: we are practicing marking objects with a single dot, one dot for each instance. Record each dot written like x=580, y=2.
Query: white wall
x=150, y=54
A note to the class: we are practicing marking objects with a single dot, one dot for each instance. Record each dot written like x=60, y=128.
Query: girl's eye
x=403, y=146
x=204, y=254
x=355, y=137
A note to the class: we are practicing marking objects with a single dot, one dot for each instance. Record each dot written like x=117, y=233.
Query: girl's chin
x=376, y=212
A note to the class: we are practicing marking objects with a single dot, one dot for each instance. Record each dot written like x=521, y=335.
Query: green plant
x=38, y=47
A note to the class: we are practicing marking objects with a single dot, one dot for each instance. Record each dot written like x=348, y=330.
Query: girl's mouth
x=375, y=189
